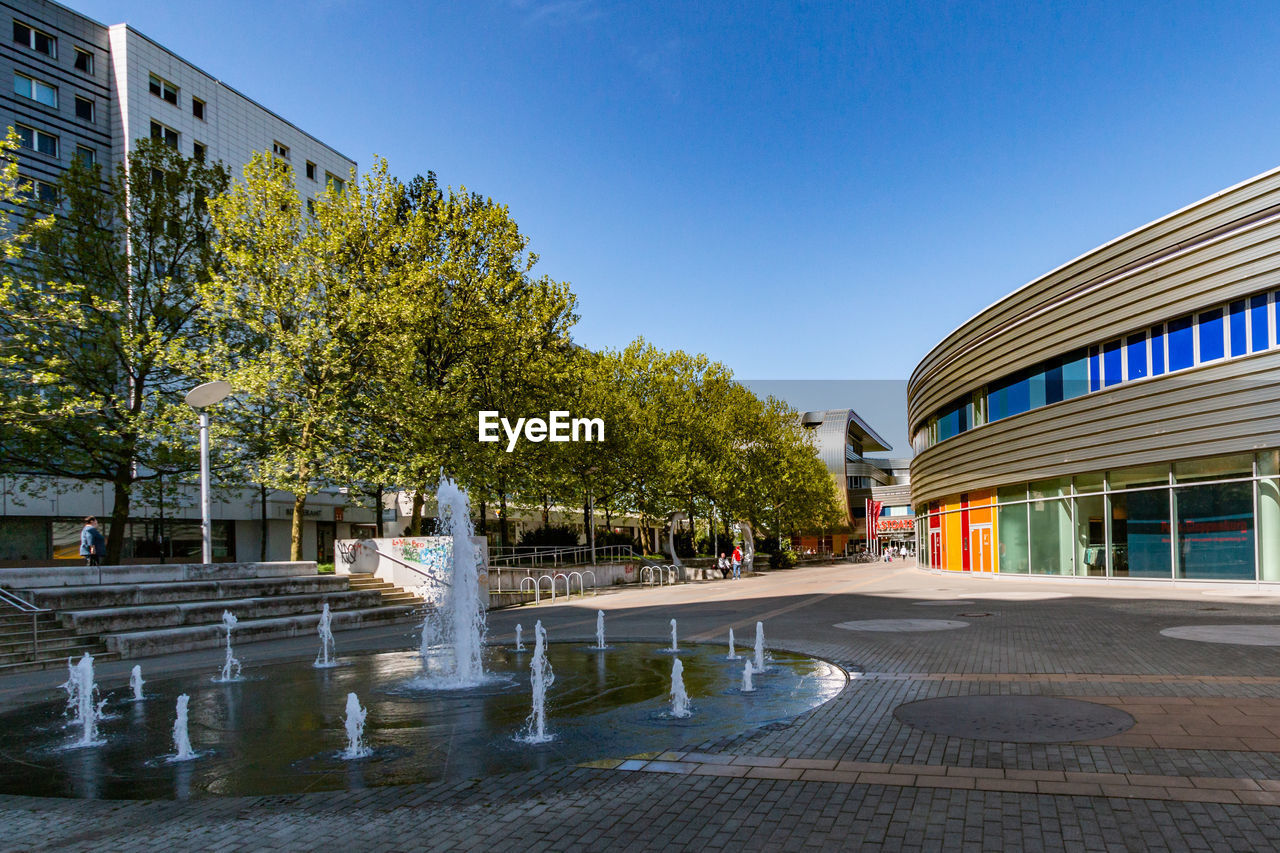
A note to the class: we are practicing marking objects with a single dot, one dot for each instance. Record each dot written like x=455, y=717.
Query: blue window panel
x=1157, y=350
x=997, y=402
x=1182, y=352
x=1019, y=396
x=1239, y=340
x=1053, y=384
x=1136, y=356
x=1075, y=375
x=1211, y=341
x=948, y=425
x=1111, y=372
x=1260, y=334
x=1095, y=370
x=1036, y=388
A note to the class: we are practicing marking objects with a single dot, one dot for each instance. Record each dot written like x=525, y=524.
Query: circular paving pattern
x=948, y=602
x=1238, y=635
x=1014, y=719
x=897, y=626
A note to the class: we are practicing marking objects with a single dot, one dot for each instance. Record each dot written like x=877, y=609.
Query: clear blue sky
x=819, y=192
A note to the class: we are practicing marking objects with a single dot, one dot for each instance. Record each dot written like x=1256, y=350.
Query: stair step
x=175, y=592
x=185, y=638
x=125, y=619
x=52, y=662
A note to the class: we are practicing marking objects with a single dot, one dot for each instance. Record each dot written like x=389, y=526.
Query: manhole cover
x=1239, y=635
x=1212, y=608
x=946, y=602
x=894, y=626
x=975, y=615
x=1014, y=719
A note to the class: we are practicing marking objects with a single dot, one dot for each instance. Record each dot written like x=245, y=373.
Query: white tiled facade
x=34, y=516
x=118, y=85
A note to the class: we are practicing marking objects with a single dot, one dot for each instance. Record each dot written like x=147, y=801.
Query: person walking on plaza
x=737, y=563
x=723, y=565
x=92, y=542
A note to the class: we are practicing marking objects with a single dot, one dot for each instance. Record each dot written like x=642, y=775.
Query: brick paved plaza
x=1199, y=769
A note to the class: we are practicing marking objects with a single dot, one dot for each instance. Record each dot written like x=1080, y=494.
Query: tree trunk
x=160, y=519
x=295, y=534
x=484, y=520
x=262, y=515
x=608, y=517
x=122, y=484
x=504, y=530
x=546, y=510
x=586, y=517
x=415, y=514
x=377, y=508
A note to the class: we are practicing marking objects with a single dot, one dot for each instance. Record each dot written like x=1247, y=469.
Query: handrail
x=557, y=554
x=24, y=606
x=415, y=567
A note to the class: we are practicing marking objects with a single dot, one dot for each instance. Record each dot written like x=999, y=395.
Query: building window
x=1181, y=344
x=197, y=108
x=84, y=108
x=1135, y=356
x=34, y=39
x=40, y=92
x=39, y=190
x=1211, y=343
x=280, y=150
x=1239, y=334
x=311, y=170
x=311, y=208
x=334, y=183
x=87, y=156
x=84, y=61
x=1259, y=331
x=199, y=150
x=167, y=135
x=37, y=140
x=163, y=89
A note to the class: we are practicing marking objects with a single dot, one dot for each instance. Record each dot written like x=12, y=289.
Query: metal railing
x=659, y=575
x=534, y=584
x=557, y=555
x=24, y=606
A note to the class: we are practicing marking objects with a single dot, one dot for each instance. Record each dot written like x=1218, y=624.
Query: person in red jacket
x=737, y=562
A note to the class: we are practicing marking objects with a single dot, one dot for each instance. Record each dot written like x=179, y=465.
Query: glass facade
x=1236, y=329
x=1203, y=519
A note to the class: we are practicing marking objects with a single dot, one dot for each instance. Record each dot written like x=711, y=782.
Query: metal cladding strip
x=1206, y=219
x=1207, y=274
x=1228, y=407
x=1227, y=217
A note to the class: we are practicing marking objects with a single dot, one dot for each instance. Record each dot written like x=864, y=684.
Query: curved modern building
x=1118, y=417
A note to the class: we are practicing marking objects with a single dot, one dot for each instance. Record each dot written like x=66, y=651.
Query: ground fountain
x=325, y=658
x=231, y=666
x=519, y=638
x=459, y=622
x=679, y=696
x=81, y=691
x=541, y=677
x=759, y=667
x=732, y=654
x=599, y=646
x=181, y=739
x=136, y=682
x=747, y=687
x=354, y=723
x=674, y=646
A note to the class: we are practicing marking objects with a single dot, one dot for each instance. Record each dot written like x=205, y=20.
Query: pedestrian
x=723, y=565
x=92, y=542
x=737, y=563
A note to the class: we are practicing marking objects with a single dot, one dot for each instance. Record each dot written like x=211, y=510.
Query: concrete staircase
x=390, y=594
x=23, y=648
x=180, y=609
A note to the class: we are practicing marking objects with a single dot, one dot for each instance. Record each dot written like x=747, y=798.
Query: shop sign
x=898, y=524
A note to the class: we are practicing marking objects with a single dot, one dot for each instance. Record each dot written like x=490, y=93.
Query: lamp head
x=208, y=394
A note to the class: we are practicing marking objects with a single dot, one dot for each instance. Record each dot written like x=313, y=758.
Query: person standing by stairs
x=92, y=542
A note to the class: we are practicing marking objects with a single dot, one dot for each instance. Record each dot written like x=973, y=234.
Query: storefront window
x=1215, y=531
x=1012, y=526
x=1140, y=534
x=1091, y=534
x=1217, y=468
x=1050, y=537
x=1135, y=478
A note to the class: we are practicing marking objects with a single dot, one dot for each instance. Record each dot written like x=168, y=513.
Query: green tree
x=304, y=319
x=96, y=316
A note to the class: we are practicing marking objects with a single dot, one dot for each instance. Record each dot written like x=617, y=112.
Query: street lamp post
x=200, y=398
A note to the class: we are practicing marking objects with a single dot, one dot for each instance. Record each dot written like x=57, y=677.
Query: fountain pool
x=282, y=728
